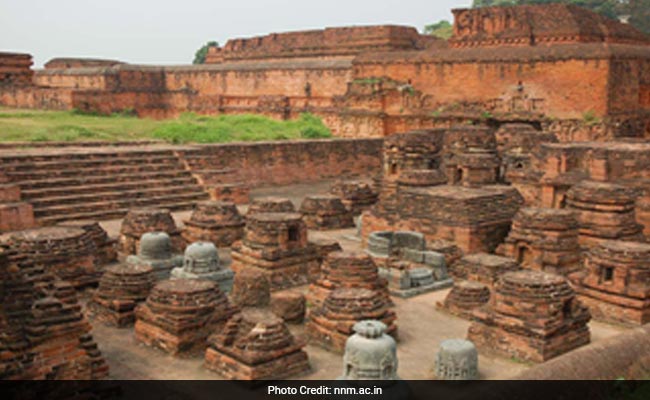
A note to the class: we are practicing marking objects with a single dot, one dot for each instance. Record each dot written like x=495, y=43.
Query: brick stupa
x=106, y=247
x=325, y=212
x=615, y=282
x=535, y=316
x=121, y=289
x=332, y=324
x=276, y=245
x=356, y=196
x=40, y=316
x=605, y=211
x=68, y=253
x=256, y=345
x=139, y=221
x=544, y=239
x=271, y=204
x=214, y=221
x=180, y=314
x=346, y=269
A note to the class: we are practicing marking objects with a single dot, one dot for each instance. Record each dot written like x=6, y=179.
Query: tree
x=639, y=12
x=442, y=29
x=199, y=56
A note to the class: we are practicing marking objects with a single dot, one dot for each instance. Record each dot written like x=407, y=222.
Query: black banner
x=359, y=390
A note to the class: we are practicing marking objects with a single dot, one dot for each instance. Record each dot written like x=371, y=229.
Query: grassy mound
x=72, y=126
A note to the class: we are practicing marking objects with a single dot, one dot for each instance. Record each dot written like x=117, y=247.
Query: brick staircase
x=101, y=184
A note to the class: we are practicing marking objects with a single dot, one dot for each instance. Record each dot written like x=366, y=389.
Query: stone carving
x=139, y=221
x=405, y=263
x=155, y=250
x=370, y=354
x=457, y=360
x=201, y=261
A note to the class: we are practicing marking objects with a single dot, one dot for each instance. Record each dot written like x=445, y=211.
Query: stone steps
x=90, y=171
x=99, y=184
x=168, y=159
x=81, y=199
x=36, y=184
x=118, y=208
x=103, y=215
x=53, y=192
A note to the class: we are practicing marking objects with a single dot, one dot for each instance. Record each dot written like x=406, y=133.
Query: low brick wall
x=626, y=355
x=280, y=163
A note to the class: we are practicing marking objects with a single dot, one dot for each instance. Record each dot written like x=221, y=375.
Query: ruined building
x=378, y=80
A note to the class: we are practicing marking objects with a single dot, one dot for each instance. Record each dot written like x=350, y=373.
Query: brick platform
x=256, y=345
x=614, y=282
x=535, y=316
x=121, y=289
x=214, y=221
x=144, y=220
x=68, y=253
x=179, y=315
x=331, y=325
x=544, y=239
x=325, y=213
x=276, y=245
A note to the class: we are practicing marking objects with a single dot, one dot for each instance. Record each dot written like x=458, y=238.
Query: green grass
x=71, y=126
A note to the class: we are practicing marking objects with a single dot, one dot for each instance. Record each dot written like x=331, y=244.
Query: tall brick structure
x=548, y=65
x=470, y=210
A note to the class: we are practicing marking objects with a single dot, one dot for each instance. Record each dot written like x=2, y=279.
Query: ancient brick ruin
x=180, y=314
x=145, y=220
x=331, y=325
x=614, y=282
x=216, y=222
x=376, y=80
x=276, y=245
x=510, y=160
x=256, y=345
x=476, y=218
x=544, y=239
x=325, y=212
x=535, y=316
x=343, y=269
x=44, y=332
x=121, y=289
x=68, y=253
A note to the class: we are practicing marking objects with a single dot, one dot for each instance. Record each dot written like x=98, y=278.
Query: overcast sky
x=169, y=32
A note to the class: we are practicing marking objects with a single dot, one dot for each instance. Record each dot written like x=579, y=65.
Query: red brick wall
x=291, y=162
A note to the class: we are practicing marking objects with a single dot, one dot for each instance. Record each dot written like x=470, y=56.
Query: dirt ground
x=421, y=327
